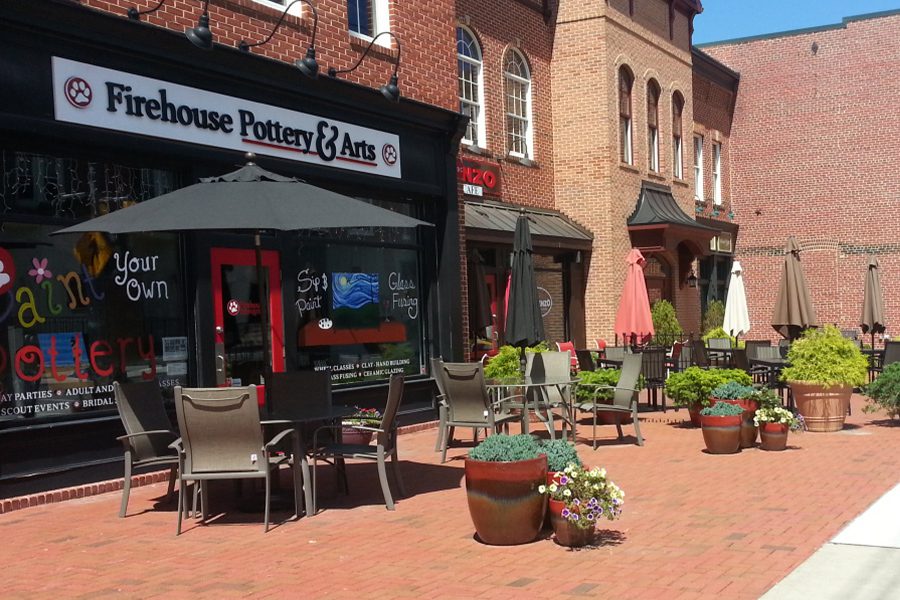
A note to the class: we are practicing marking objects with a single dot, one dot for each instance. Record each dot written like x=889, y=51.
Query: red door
x=237, y=317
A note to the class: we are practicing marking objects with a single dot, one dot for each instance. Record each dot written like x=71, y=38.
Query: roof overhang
x=493, y=222
x=659, y=225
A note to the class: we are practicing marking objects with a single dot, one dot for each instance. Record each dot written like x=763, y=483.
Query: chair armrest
x=364, y=428
x=281, y=435
x=442, y=399
x=130, y=436
x=177, y=445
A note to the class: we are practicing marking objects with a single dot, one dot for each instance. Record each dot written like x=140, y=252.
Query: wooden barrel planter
x=822, y=409
x=567, y=533
x=748, y=429
x=504, y=501
x=722, y=434
x=773, y=436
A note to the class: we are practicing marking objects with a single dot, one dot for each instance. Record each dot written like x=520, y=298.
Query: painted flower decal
x=40, y=271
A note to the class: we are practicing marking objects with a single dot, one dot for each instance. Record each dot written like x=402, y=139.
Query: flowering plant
x=782, y=416
x=366, y=417
x=587, y=493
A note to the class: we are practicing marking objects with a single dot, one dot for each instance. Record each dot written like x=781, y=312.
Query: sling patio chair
x=437, y=371
x=624, y=397
x=468, y=403
x=554, y=366
x=221, y=438
x=570, y=348
x=653, y=368
x=585, y=360
x=148, y=433
x=385, y=445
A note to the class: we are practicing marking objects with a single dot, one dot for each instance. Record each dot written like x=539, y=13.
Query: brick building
x=810, y=156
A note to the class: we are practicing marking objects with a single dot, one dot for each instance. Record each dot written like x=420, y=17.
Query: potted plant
x=884, y=392
x=361, y=417
x=774, y=422
x=503, y=475
x=823, y=368
x=505, y=366
x=560, y=454
x=590, y=389
x=693, y=387
x=721, y=426
x=579, y=498
x=745, y=397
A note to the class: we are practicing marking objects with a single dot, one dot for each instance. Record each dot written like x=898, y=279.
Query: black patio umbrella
x=480, y=317
x=250, y=199
x=524, y=324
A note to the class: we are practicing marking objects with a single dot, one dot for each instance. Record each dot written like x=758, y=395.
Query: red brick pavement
x=695, y=526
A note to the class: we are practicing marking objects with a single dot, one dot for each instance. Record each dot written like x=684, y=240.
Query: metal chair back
x=628, y=378
x=752, y=345
x=891, y=353
x=467, y=396
x=553, y=365
x=653, y=366
x=698, y=354
x=141, y=408
x=719, y=343
x=616, y=352
x=585, y=360
x=387, y=437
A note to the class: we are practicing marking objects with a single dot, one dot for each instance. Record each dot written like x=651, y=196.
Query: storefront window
x=78, y=312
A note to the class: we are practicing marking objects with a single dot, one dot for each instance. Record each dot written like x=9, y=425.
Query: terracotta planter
x=694, y=413
x=608, y=417
x=566, y=533
x=773, y=436
x=349, y=435
x=504, y=501
x=822, y=409
x=748, y=429
x=721, y=434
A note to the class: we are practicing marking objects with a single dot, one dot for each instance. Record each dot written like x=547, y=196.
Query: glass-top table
x=536, y=398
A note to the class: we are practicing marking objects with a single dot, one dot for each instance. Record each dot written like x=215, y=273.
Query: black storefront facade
x=99, y=113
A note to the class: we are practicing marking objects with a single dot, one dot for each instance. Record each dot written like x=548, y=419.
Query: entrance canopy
x=492, y=222
x=658, y=224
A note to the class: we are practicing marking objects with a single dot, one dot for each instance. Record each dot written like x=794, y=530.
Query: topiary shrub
x=560, y=454
x=695, y=385
x=884, y=392
x=733, y=391
x=506, y=448
x=825, y=357
x=722, y=409
x=714, y=315
x=665, y=322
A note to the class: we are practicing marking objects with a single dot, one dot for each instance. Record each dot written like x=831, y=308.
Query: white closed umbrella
x=737, y=318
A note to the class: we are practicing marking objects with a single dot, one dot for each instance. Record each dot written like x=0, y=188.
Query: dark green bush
x=714, y=316
x=722, y=409
x=733, y=391
x=506, y=448
x=665, y=322
x=884, y=392
x=560, y=454
x=695, y=385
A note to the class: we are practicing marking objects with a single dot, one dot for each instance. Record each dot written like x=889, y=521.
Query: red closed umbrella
x=633, y=319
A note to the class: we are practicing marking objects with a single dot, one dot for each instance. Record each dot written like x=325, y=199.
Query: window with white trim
x=471, y=89
x=626, y=80
x=653, y=125
x=368, y=18
x=698, y=167
x=717, y=172
x=517, y=84
x=677, y=109
x=279, y=5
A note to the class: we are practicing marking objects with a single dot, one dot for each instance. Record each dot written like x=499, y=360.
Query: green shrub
x=695, y=385
x=733, y=391
x=722, y=409
x=542, y=346
x=825, y=357
x=665, y=322
x=590, y=384
x=560, y=454
x=884, y=392
x=505, y=365
x=714, y=316
x=506, y=448
x=719, y=332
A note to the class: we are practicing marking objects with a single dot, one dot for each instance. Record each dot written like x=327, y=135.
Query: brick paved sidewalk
x=695, y=526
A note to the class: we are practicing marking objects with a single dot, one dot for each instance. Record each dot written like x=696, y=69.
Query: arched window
x=677, y=109
x=626, y=81
x=471, y=92
x=653, y=125
x=517, y=88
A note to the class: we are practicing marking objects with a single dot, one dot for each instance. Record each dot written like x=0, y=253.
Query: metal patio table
x=497, y=389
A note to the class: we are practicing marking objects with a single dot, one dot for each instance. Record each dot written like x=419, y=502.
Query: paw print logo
x=389, y=154
x=325, y=324
x=7, y=271
x=233, y=307
x=78, y=92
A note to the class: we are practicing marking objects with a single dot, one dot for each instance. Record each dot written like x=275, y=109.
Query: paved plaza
x=695, y=526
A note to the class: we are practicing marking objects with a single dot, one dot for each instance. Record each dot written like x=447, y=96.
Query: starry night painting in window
x=354, y=299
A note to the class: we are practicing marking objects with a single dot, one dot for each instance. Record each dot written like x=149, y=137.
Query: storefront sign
x=98, y=97
x=545, y=301
x=477, y=174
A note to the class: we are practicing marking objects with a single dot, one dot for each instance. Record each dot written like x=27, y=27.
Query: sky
x=729, y=19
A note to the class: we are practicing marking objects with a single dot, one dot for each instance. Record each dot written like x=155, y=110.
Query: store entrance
x=237, y=318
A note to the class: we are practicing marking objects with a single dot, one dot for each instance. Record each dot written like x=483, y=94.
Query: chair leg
x=311, y=510
x=395, y=469
x=126, y=486
x=204, y=501
x=445, y=444
x=594, y=433
x=172, y=475
x=182, y=488
x=442, y=428
x=268, y=495
x=382, y=476
x=619, y=425
x=637, y=425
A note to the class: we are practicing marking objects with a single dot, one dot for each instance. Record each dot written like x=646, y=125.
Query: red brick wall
x=813, y=154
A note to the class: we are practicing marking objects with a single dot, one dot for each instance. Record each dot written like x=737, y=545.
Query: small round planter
x=504, y=502
x=349, y=435
x=823, y=409
x=748, y=429
x=722, y=434
x=565, y=533
x=773, y=436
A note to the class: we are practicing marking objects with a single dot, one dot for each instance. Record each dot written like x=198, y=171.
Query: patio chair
x=759, y=374
x=673, y=360
x=221, y=438
x=585, y=360
x=385, y=445
x=891, y=355
x=613, y=353
x=437, y=371
x=751, y=345
x=653, y=368
x=625, y=398
x=715, y=345
x=553, y=365
x=468, y=403
x=699, y=357
x=570, y=348
x=148, y=433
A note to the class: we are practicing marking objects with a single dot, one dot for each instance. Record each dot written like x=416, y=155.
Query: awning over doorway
x=494, y=222
x=658, y=224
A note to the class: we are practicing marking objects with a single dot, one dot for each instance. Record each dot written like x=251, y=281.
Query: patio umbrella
x=524, y=324
x=794, y=311
x=250, y=199
x=872, y=320
x=737, y=318
x=633, y=319
x=480, y=317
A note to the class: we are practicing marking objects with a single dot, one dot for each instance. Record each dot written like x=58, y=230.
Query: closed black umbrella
x=524, y=324
x=480, y=317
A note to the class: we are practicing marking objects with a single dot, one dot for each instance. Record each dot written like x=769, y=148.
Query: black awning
x=492, y=222
x=657, y=206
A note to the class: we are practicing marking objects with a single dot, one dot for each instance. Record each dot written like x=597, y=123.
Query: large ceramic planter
x=822, y=409
x=748, y=429
x=694, y=413
x=722, y=434
x=349, y=435
x=608, y=417
x=773, y=436
x=504, y=501
x=566, y=533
